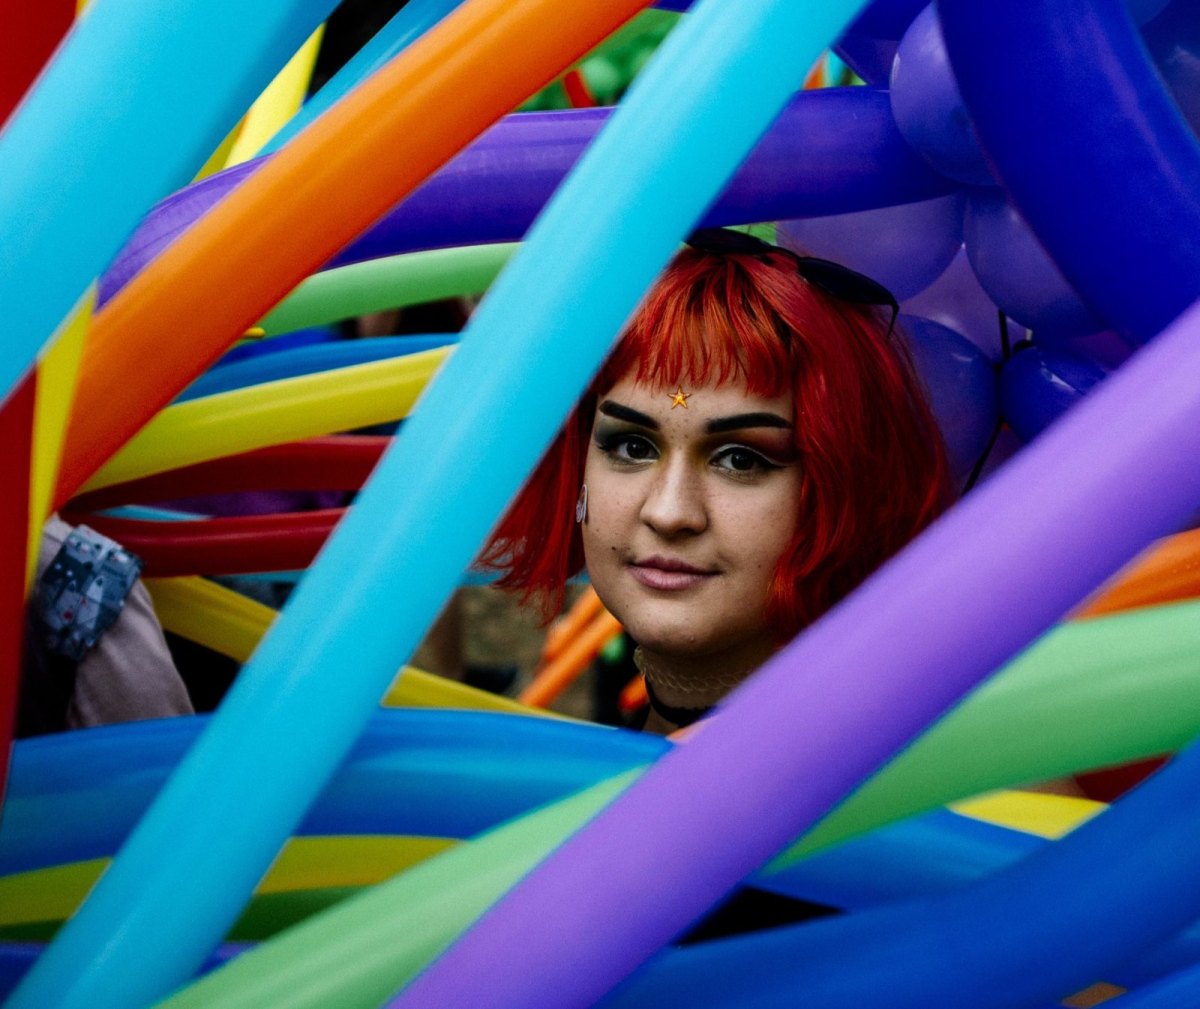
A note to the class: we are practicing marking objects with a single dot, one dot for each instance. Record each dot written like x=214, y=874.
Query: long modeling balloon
x=185, y=79
x=809, y=164
x=341, y=462
x=1111, y=122
x=274, y=412
x=392, y=282
x=179, y=880
x=307, y=360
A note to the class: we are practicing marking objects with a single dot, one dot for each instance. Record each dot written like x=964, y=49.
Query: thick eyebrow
x=616, y=410
x=741, y=421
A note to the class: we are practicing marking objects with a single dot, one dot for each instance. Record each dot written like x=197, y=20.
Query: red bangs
x=709, y=321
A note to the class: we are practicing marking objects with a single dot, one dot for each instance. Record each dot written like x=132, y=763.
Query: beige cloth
x=129, y=674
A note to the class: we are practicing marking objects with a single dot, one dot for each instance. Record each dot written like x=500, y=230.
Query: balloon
x=695, y=112
x=337, y=463
x=905, y=247
x=220, y=546
x=1174, y=43
x=407, y=25
x=274, y=412
x=928, y=107
x=185, y=79
x=869, y=45
x=388, y=283
x=434, y=773
x=1015, y=271
x=957, y=301
x=961, y=387
x=1069, y=174
x=807, y=164
x=313, y=359
x=1038, y=386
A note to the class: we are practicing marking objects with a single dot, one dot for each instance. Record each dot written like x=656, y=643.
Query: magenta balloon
x=1121, y=470
x=928, y=108
x=1017, y=273
x=906, y=248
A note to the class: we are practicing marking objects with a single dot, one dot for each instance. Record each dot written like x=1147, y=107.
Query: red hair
x=874, y=464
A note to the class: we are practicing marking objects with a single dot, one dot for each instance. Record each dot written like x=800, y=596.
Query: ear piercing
x=581, y=505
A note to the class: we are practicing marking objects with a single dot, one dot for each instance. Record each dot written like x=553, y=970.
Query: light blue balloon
x=137, y=97
x=707, y=96
x=409, y=24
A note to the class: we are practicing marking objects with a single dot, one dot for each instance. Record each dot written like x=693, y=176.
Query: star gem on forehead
x=679, y=398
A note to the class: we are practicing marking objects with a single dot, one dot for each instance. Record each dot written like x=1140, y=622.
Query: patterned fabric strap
x=81, y=594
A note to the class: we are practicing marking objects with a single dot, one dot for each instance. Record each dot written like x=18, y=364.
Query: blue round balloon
x=1017, y=273
x=961, y=384
x=1037, y=386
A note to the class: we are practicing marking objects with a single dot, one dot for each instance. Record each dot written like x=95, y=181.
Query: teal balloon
x=409, y=24
x=136, y=99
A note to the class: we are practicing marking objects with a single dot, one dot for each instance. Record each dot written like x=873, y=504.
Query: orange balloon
x=313, y=197
x=1168, y=573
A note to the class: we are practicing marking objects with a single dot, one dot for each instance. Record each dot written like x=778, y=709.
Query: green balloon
x=1089, y=694
x=391, y=282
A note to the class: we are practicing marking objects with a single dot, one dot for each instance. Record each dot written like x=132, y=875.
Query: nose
x=675, y=503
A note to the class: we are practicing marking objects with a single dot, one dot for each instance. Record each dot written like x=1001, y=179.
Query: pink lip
x=668, y=574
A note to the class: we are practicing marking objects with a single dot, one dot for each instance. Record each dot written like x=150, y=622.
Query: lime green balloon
x=1087, y=695
x=391, y=282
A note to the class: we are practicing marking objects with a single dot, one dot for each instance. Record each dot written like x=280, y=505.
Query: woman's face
x=692, y=499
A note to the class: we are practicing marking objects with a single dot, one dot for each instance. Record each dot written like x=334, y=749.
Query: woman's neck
x=681, y=684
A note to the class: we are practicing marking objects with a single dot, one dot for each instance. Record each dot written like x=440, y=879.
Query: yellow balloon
x=232, y=624
x=306, y=863
x=271, y=413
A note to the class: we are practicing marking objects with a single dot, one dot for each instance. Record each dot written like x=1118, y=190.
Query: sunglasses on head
x=837, y=281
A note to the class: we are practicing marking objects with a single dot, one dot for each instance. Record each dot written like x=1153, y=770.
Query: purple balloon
x=809, y=163
x=868, y=45
x=928, y=107
x=906, y=248
x=831, y=708
x=1016, y=271
x=957, y=301
x=961, y=385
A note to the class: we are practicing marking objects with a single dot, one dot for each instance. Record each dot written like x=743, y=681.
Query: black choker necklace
x=676, y=716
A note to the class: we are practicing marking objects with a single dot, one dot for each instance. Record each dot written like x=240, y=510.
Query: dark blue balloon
x=1037, y=386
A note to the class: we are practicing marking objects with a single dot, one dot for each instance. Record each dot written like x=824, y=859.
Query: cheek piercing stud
x=581, y=505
